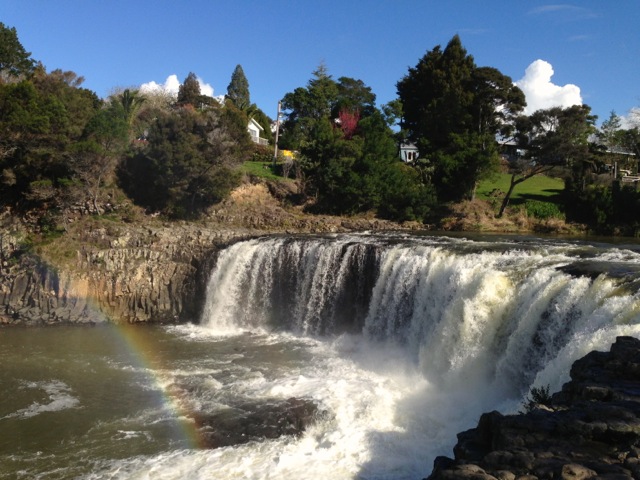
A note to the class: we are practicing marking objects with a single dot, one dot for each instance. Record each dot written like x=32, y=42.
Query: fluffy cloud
x=631, y=120
x=171, y=86
x=542, y=93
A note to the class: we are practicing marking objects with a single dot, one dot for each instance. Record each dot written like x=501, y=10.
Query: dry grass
x=480, y=216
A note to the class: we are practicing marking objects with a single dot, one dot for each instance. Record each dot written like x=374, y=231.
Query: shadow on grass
x=553, y=196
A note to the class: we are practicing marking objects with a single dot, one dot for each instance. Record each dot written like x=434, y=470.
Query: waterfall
x=505, y=312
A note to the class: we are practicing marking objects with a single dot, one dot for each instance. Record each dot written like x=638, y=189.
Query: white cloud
x=631, y=120
x=205, y=88
x=171, y=86
x=542, y=93
x=569, y=12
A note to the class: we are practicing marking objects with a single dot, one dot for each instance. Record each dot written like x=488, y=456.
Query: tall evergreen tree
x=238, y=89
x=348, y=151
x=14, y=59
x=452, y=110
x=189, y=91
x=610, y=132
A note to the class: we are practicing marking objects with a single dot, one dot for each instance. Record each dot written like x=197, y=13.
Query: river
x=400, y=341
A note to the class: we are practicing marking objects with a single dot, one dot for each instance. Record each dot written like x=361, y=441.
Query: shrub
x=537, y=396
x=543, y=210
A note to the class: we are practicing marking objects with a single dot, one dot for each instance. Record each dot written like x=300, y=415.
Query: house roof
x=252, y=122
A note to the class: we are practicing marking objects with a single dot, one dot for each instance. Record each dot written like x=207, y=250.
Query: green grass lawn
x=540, y=187
x=260, y=169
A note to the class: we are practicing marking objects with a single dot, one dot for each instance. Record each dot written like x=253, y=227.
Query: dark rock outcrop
x=590, y=429
x=256, y=421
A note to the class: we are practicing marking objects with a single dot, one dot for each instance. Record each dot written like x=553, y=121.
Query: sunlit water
x=436, y=332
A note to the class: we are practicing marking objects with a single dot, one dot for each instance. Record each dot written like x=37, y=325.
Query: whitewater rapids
x=400, y=340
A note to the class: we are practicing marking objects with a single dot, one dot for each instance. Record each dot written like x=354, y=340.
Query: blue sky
x=589, y=50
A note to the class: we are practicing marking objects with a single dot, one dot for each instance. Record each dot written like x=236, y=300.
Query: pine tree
x=189, y=91
x=238, y=89
x=14, y=59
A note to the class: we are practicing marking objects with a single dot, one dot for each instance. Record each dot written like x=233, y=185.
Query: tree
x=630, y=140
x=348, y=151
x=555, y=137
x=14, y=59
x=452, y=110
x=353, y=95
x=304, y=107
x=497, y=102
x=131, y=101
x=560, y=136
x=34, y=128
x=42, y=121
x=189, y=91
x=187, y=165
x=522, y=170
x=238, y=89
x=95, y=157
x=609, y=133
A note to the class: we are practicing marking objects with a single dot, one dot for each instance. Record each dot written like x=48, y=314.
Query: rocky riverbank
x=590, y=429
x=119, y=274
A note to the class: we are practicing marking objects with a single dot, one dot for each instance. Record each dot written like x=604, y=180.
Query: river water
x=400, y=341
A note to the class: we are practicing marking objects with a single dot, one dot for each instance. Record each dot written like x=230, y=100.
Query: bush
x=537, y=396
x=543, y=210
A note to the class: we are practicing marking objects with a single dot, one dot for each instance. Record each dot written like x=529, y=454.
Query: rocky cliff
x=120, y=274
x=149, y=271
x=590, y=429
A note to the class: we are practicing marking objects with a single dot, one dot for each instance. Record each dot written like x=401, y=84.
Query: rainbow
x=145, y=356
x=134, y=338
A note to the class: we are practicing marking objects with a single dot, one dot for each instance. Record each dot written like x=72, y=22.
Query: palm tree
x=131, y=101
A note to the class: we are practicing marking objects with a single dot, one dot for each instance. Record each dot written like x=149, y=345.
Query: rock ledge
x=590, y=429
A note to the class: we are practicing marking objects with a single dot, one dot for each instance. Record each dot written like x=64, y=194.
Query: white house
x=254, y=129
x=408, y=152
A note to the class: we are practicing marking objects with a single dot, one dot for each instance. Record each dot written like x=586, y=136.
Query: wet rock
x=256, y=421
x=590, y=429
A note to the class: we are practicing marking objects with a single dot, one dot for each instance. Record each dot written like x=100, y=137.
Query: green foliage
x=537, y=396
x=189, y=91
x=14, y=59
x=188, y=164
x=130, y=101
x=238, y=89
x=355, y=169
x=560, y=136
x=606, y=210
x=235, y=122
x=452, y=110
x=95, y=156
x=543, y=210
x=40, y=120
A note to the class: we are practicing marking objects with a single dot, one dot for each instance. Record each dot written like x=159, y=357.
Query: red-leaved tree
x=348, y=121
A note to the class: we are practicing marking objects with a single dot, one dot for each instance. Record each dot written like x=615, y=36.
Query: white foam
x=60, y=398
x=451, y=332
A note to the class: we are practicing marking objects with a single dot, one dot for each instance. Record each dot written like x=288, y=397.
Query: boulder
x=254, y=421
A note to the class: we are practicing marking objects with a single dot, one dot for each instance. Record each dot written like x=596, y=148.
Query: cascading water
x=400, y=341
x=496, y=311
x=476, y=323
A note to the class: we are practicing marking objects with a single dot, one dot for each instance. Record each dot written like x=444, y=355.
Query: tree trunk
x=507, y=197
